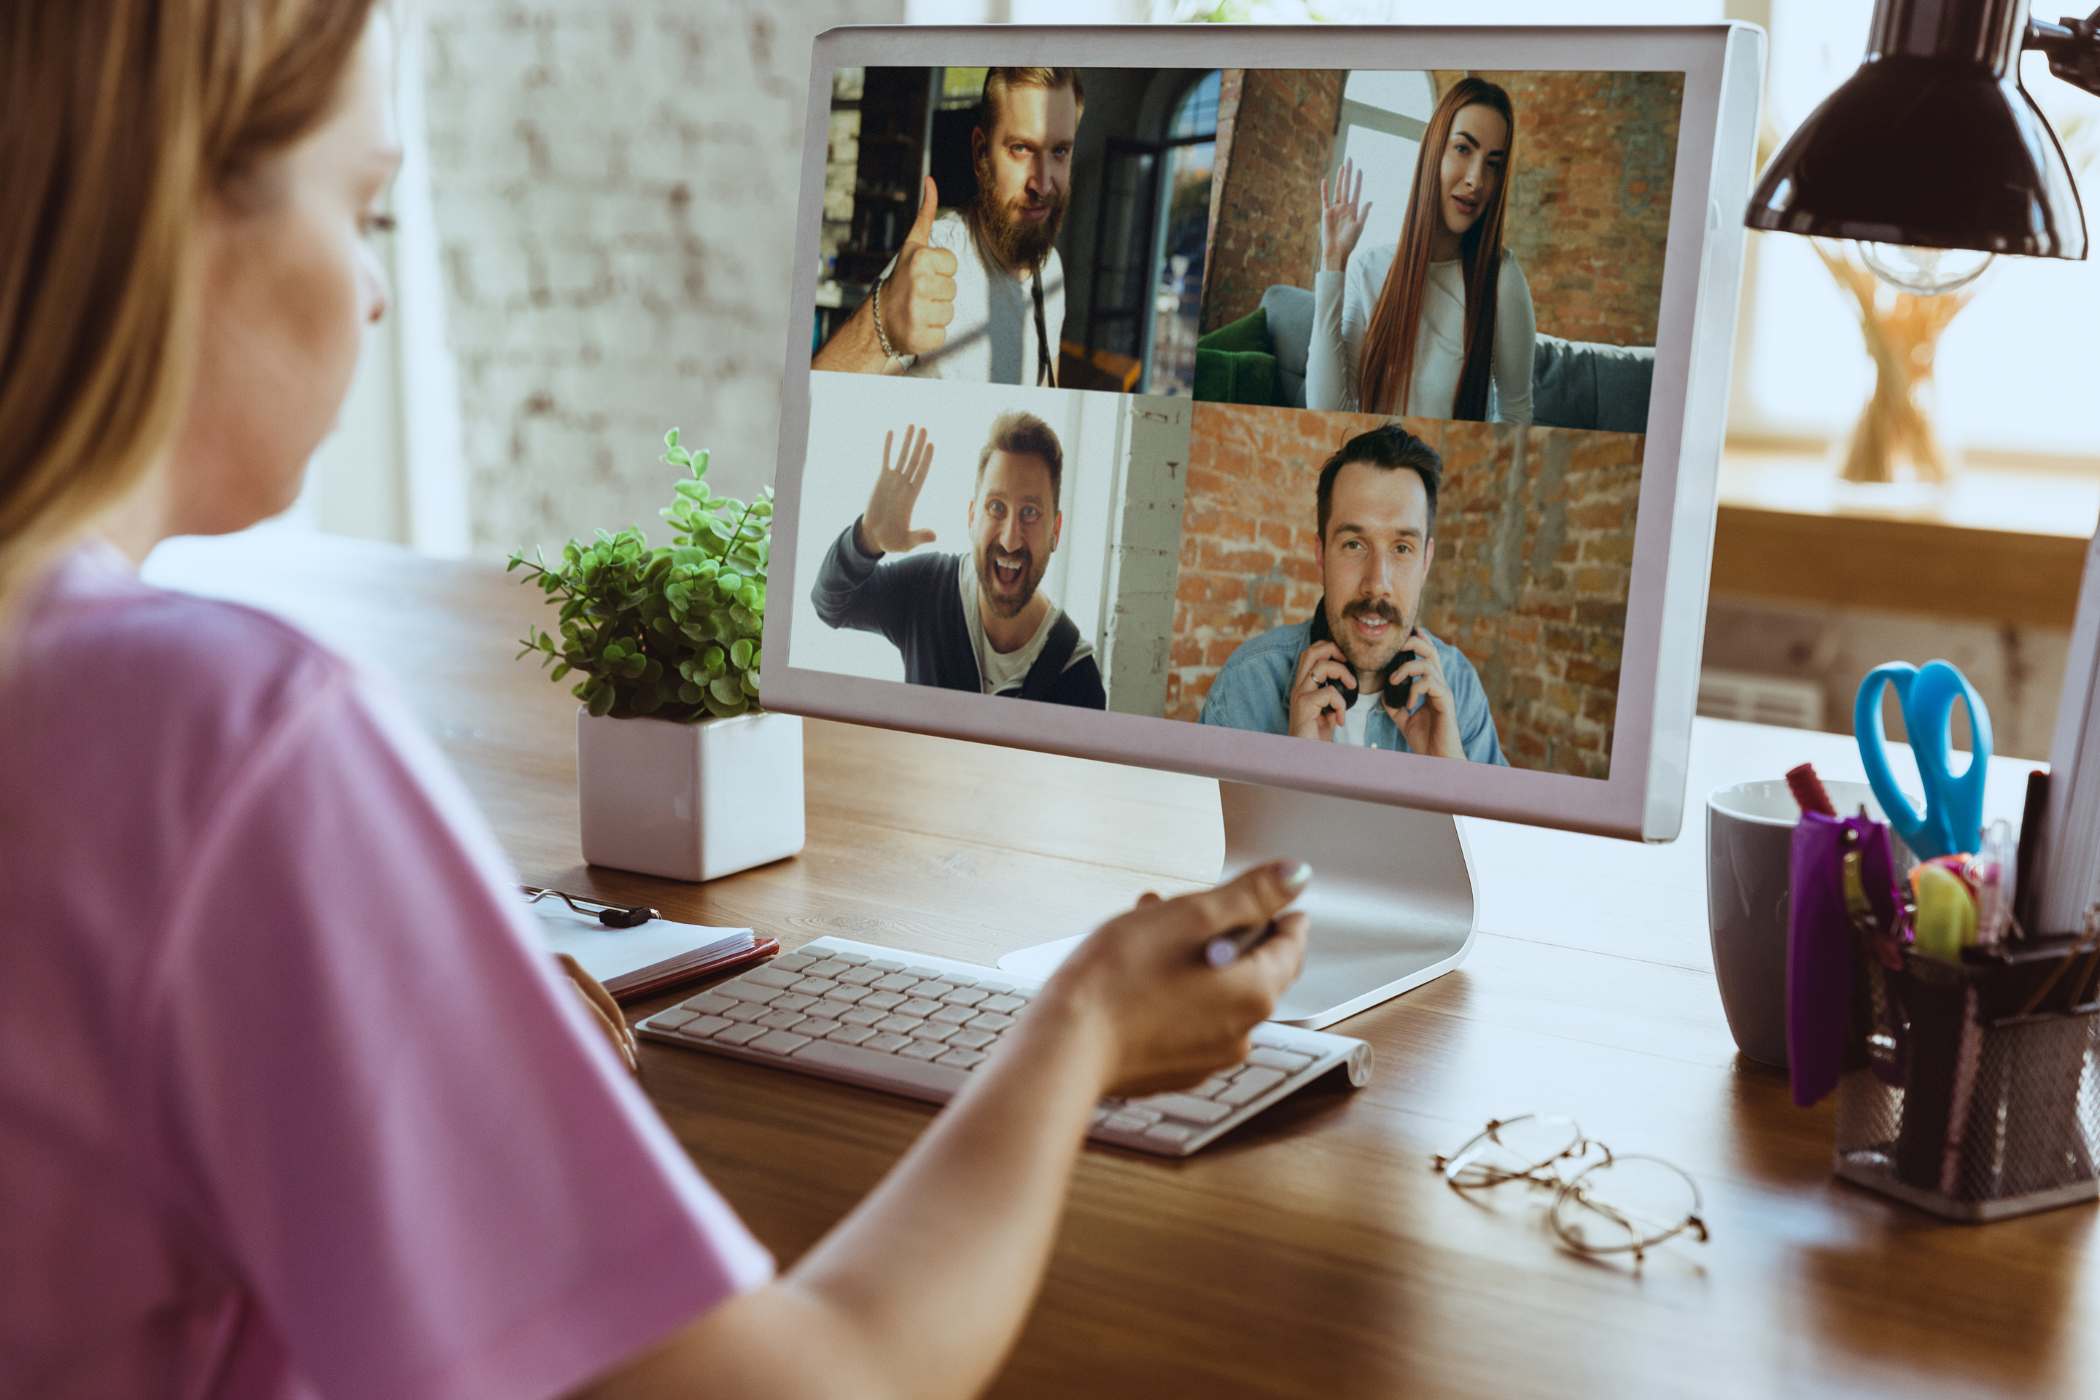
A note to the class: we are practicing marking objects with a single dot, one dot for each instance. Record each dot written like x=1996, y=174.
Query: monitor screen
x=1331, y=425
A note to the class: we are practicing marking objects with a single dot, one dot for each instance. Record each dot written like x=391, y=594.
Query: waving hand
x=1342, y=217
x=885, y=527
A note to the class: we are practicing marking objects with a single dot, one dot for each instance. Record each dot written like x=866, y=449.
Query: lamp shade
x=1932, y=143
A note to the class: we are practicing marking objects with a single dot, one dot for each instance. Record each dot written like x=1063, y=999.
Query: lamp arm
x=2073, y=47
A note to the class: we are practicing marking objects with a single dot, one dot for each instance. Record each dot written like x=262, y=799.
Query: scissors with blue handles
x=1952, y=822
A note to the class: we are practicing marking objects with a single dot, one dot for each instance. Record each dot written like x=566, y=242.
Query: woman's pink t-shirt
x=289, y=1104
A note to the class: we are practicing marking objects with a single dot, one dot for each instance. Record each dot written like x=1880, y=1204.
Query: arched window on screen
x=1383, y=117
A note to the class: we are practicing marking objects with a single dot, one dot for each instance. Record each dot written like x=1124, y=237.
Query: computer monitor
x=1331, y=411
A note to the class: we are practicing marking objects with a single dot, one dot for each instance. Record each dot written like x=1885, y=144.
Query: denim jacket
x=1253, y=691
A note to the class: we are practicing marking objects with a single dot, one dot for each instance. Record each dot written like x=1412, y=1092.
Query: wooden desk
x=1314, y=1253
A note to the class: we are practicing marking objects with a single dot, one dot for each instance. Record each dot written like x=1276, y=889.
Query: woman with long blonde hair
x=289, y=1103
x=1439, y=325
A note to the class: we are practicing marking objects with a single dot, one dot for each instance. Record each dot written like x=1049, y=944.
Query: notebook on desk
x=635, y=962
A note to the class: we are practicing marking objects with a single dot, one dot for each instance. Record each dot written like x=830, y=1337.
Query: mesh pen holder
x=1981, y=1097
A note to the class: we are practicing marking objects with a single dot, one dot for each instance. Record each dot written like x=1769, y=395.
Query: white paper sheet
x=607, y=953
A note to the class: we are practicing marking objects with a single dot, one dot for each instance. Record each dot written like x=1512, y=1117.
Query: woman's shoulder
x=1371, y=260
x=157, y=679
x=1512, y=270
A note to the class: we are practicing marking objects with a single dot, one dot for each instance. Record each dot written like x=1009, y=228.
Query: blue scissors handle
x=1953, y=817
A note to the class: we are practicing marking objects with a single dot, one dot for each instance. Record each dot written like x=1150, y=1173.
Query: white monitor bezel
x=1665, y=610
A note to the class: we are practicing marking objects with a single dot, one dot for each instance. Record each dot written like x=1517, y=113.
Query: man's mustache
x=1373, y=607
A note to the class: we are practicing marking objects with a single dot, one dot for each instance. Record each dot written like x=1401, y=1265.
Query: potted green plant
x=680, y=772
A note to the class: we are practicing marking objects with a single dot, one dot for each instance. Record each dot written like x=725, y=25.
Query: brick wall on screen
x=615, y=188
x=1534, y=553
x=1589, y=197
x=1267, y=189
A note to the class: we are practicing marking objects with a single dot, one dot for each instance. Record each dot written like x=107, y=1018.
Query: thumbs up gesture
x=918, y=297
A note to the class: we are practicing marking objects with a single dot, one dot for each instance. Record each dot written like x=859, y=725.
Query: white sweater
x=1342, y=303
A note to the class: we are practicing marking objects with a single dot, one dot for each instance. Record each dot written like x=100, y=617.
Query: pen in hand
x=1228, y=948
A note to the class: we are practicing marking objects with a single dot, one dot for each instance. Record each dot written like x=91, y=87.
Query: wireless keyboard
x=917, y=1026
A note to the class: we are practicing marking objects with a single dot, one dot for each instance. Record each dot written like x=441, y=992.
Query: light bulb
x=1924, y=272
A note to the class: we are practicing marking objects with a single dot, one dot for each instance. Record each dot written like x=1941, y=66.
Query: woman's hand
x=1341, y=217
x=1166, y=1017
x=604, y=1009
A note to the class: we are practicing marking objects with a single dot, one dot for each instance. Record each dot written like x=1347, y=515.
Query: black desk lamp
x=1932, y=156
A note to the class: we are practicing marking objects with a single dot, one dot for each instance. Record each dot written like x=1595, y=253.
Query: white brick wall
x=615, y=191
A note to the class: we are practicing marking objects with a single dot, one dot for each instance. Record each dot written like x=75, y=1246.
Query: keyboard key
x=951, y=1015
x=1172, y=1134
x=860, y=976
x=882, y=1001
x=780, y=1042
x=772, y=976
x=1004, y=1003
x=851, y=1035
x=1186, y=1107
x=966, y=996
x=816, y=1028
x=1129, y=1122
x=1289, y=1061
x=795, y=961
x=962, y=1059
x=850, y=959
x=862, y=1016
x=923, y=1050
x=997, y=988
x=1212, y=1087
x=746, y=1011
x=990, y=1021
x=918, y=1077
x=792, y=1001
x=709, y=1003
x=1251, y=1085
x=846, y=992
x=887, y=965
x=899, y=1025
x=971, y=1040
x=742, y=1033
x=813, y=986
x=706, y=1025
x=897, y=982
x=830, y=967
x=919, y=1007
x=932, y=1030
x=886, y=1043
x=933, y=989
x=832, y=1009
x=782, y=1020
x=671, y=1020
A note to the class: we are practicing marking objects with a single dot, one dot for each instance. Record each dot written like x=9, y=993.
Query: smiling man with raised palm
x=975, y=621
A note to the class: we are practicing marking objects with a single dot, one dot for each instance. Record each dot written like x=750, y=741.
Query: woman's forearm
x=1330, y=365
x=921, y=1290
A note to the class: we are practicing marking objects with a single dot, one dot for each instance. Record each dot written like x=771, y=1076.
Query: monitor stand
x=1391, y=898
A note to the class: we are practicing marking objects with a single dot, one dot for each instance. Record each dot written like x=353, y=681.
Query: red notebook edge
x=723, y=955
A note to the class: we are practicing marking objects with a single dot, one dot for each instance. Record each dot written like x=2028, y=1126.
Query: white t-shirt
x=999, y=670
x=992, y=339
x=1356, y=720
x=1342, y=303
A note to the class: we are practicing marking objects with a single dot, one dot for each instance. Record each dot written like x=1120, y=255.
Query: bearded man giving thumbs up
x=979, y=294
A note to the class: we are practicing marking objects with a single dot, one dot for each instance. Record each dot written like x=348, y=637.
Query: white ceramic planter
x=689, y=801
